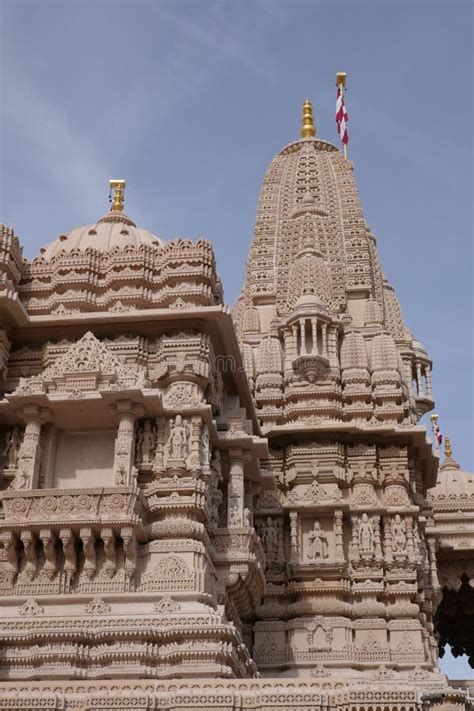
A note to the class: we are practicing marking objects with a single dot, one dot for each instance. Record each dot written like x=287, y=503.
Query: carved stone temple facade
x=204, y=510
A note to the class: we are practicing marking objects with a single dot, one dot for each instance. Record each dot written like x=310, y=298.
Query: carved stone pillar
x=432, y=559
x=387, y=543
x=28, y=539
x=429, y=386
x=108, y=538
x=410, y=541
x=87, y=537
x=130, y=551
x=325, y=339
x=30, y=451
x=68, y=541
x=377, y=542
x=48, y=539
x=158, y=462
x=355, y=555
x=235, y=489
x=419, y=380
x=294, y=548
x=338, y=535
x=195, y=458
x=124, y=456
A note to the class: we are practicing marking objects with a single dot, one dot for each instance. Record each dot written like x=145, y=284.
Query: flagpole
x=341, y=83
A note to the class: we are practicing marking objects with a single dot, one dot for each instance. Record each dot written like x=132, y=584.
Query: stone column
x=30, y=451
x=355, y=555
x=410, y=541
x=388, y=548
x=235, y=489
x=158, y=462
x=302, y=337
x=314, y=335
x=325, y=339
x=432, y=559
x=429, y=387
x=294, y=548
x=195, y=458
x=378, y=545
x=124, y=456
x=419, y=380
x=338, y=535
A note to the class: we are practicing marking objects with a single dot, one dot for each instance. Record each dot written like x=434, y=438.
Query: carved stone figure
x=269, y=536
x=205, y=445
x=177, y=446
x=399, y=536
x=366, y=536
x=12, y=448
x=146, y=443
x=318, y=542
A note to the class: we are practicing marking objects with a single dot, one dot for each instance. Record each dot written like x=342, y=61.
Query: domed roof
x=453, y=484
x=112, y=231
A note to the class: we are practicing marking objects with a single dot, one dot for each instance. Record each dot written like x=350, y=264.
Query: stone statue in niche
x=12, y=448
x=269, y=536
x=205, y=445
x=247, y=517
x=318, y=542
x=146, y=443
x=399, y=536
x=177, y=446
x=366, y=536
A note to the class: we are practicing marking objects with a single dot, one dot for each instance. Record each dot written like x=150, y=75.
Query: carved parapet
x=71, y=507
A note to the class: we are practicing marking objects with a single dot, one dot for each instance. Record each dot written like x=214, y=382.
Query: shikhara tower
x=188, y=523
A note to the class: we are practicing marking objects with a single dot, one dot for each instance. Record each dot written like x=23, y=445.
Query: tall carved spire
x=308, y=129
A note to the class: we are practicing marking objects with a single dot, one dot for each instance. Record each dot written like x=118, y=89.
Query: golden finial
x=117, y=201
x=341, y=78
x=308, y=129
x=448, y=452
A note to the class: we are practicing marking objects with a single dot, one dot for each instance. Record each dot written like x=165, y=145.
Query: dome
x=453, y=485
x=115, y=230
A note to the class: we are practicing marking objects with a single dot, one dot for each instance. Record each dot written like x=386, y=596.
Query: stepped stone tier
x=204, y=510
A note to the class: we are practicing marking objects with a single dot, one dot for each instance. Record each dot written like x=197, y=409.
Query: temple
x=211, y=509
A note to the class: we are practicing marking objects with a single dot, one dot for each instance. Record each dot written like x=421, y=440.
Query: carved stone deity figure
x=269, y=536
x=399, y=536
x=177, y=446
x=318, y=542
x=146, y=443
x=205, y=445
x=366, y=536
x=12, y=447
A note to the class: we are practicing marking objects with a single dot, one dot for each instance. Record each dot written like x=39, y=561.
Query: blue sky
x=189, y=101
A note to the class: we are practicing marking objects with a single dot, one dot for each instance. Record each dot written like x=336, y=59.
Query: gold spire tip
x=118, y=186
x=341, y=78
x=308, y=129
x=448, y=452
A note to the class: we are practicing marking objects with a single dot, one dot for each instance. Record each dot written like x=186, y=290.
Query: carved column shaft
x=294, y=548
x=124, y=456
x=338, y=535
x=355, y=555
x=410, y=541
x=388, y=547
x=30, y=453
x=235, y=490
x=48, y=539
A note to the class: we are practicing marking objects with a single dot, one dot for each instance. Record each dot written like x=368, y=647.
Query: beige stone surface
x=203, y=510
